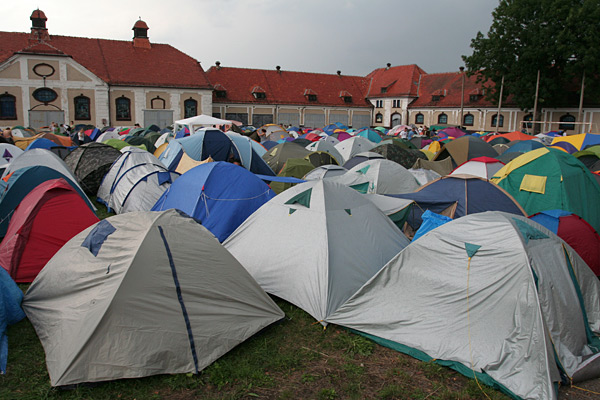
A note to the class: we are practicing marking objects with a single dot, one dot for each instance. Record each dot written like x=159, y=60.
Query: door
x=396, y=119
x=160, y=118
x=38, y=119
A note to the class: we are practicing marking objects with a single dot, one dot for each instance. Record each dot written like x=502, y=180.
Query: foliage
x=556, y=37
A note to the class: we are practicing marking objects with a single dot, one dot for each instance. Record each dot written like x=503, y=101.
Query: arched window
x=8, y=106
x=82, y=107
x=442, y=119
x=123, y=105
x=379, y=118
x=567, y=118
x=190, y=107
x=396, y=119
x=419, y=119
x=500, y=123
x=468, y=120
x=157, y=103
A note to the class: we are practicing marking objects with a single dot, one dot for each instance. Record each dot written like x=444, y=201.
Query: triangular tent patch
x=292, y=210
x=7, y=156
x=348, y=211
x=364, y=170
x=471, y=249
x=301, y=198
x=529, y=232
x=361, y=187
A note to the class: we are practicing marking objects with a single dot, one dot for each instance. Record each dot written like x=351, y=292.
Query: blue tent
x=524, y=146
x=41, y=143
x=220, y=195
x=10, y=312
x=370, y=134
x=459, y=195
x=20, y=183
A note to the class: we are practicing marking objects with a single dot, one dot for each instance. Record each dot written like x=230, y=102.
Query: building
x=47, y=78
x=258, y=97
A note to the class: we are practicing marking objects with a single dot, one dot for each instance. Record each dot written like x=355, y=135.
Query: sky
x=323, y=36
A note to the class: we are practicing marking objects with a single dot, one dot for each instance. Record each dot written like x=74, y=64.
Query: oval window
x=44, y=95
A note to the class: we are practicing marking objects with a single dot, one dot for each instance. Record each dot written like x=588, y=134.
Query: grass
x=290, y=360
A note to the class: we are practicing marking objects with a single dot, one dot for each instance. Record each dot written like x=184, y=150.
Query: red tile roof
x=396, y=81
x=39, y=14
x=140, y=24
x=116, y=62
x=288, y=87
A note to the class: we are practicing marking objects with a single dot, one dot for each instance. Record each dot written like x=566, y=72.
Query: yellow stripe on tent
x=534, y=183
x=518, y=163
x=575, y=140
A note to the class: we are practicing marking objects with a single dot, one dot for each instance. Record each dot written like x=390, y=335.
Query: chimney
x=218, y=64
x=388, y=65
x=278, y=68
x=140, y=35
x=339, y=73
x=39, y=32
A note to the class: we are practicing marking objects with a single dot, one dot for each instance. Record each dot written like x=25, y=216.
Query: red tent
x=48, y=217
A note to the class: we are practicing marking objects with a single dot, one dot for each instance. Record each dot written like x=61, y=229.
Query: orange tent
x=516, y=135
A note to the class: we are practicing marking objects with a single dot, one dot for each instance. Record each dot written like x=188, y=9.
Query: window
x=379, y=103
x=215, y=114
x=157, y=103
x=419, y=119
x=347, y=99
x=474, y=97
x=442, y=119
x=45, y=95
x=123, y=106
x=220, y=94
x=468, y=120
x=82, y=107
x=528, y=117
x=260, y=95
x=190, y=108
x=379, y=118
x=383, y=90
x=500, y=122
x=567, y=127
x=312, y=97
x=396, y=103
x=435, y=97
x=8, y=106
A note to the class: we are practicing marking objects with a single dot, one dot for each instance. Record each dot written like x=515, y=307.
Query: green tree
x=556, y=37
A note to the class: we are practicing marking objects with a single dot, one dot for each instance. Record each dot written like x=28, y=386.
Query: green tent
x=547, y=179
x=119, y=144
x=278, y=155
x=294, y=167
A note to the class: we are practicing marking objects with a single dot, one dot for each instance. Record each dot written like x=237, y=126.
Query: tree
x=556, y=37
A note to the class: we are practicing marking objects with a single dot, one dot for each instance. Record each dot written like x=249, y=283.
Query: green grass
x=293, y=359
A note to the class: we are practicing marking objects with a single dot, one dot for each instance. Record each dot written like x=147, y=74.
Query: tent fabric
x=10, y=313
x=362, y=157
x=160, y=303
x=568, y=184
x=512, y=310
x=293, y=167
x=576, y=232
x=404, y=157
x=580, y=141
x=135, y=181
x=523, y=146
x=431, y=221
x=465, y=148
x=442, y=167
x=220, y=195
x=8, y=152
x=324, y=171
x=49, y=216
x=278, y=155
x=40, y=157
x=350, y=147
x=14, y=188
x=121, y=144
x=90, y=163
x=344, y=240
x=483, y=167
x=328, y=147
x=40, y=143
x=510, y=136
x=23, y=142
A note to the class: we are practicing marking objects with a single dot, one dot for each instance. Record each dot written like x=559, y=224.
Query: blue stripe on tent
x=188, y=325
x=97, y=236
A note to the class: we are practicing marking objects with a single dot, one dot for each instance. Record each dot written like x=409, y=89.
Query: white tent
x=350, y=147
x=143, y=294
x=200, y=121
x=324, y=241
x=493, y=294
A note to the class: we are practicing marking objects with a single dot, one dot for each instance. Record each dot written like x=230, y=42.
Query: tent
x=49, y=216
x=199, y=121
x=442, y=167
x=465, y=148
x=278, y=155
x=325, y=240
x=483, y=167
x=139, y=141
x=219, y=195
x=324, y=171
x=547, y=179
x=362, y=157
x=41, y=157
x=273, y=132
x=580, y=142
x=328, y=147
x=318, y=158
x=403, y=156
x=14, y=188
x=523, y=146
x=510, y=136
x=424, y=176
x=133, y=296
x=23, y=142
x=378, y=176
x=452, y=131
x=134, y=182
x=590, y=157
x=90, y=163
x=41, y=143
x=10, y=313
x=458, y=195
x=109, y=134
x=121, y=144
x=354, y=145
x=370, y=134
x=8, y=152
x=293, y=167
x=492, y=295
x=564, y=146
x=576, y=232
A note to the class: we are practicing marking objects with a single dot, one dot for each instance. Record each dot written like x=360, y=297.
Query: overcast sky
x=354, y=36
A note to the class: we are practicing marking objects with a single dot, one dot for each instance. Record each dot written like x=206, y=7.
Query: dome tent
x=137, y=285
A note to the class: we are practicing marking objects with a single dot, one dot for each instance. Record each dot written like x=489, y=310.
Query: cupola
x=140, y=35
x=39, y=31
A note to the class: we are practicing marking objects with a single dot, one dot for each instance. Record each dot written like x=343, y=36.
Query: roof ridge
x=221, y=67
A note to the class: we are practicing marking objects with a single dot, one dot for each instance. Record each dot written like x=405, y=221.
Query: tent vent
x=96, y=238
x=301, y=198
x=348, y=211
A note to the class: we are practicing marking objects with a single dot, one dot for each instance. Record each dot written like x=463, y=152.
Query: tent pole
x=499, y=104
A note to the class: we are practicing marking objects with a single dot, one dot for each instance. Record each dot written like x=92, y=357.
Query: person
x=262, y=134
x=54, y=128
x=7, y=136
x=137, y=125
x=404, y=133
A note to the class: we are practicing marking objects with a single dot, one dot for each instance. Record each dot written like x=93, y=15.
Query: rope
x=584, y=390
x=469, y=331
x=247, y=198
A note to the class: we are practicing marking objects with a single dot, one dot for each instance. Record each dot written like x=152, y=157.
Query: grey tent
x=325, y=240
x=350, y=147
x=142, y=294
x=90, y=162
x=41, y=157
x=490, y=294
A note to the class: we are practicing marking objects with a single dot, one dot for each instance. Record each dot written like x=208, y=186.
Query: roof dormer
x=220, y=91
x=310, y=95
x=39, y=31
x=140, y=35
x=259, y=93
